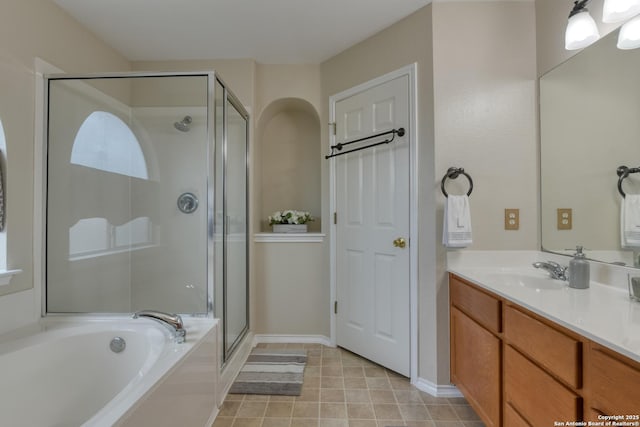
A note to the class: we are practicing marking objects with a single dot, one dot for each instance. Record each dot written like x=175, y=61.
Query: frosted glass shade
x=619, y=10
x=629, y=35
x=581, y=31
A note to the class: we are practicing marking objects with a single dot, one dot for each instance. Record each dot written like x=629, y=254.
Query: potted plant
x=290, y=221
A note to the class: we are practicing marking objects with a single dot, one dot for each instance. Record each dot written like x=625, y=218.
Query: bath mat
x=271, y=371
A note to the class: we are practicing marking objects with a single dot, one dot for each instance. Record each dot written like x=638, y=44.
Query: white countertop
x=602, y=313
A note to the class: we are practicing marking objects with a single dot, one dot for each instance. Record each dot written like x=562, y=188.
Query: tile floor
x=342, y=389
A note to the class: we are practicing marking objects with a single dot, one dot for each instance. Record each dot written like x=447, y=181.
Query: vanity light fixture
x=581, y=28
x=629, y=35
x=619, y=10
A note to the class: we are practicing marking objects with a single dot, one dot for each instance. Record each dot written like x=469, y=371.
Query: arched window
x=106, y=143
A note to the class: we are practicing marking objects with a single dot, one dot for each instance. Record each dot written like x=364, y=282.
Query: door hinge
x=335, y=217
x=334, y=126
x=335, y=307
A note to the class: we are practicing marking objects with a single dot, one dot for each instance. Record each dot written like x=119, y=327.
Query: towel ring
x=453, y=173
x=624, y=172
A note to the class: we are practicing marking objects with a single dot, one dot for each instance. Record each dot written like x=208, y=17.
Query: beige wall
x=485, y=121
x=485, y=113
x=289, y=297
x=238, y=74
x=30, y=29
x=275, y=81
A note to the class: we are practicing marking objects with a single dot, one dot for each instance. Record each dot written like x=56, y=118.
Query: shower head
x=184, y=124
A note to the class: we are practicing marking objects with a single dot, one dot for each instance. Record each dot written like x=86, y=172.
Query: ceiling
x=269, y=31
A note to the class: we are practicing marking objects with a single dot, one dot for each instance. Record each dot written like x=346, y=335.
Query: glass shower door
x=127, y=194
x=235, y=237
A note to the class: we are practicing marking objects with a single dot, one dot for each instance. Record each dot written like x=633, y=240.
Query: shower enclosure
x=146, y=197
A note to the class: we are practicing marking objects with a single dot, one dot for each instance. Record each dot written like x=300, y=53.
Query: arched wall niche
x=288, y=134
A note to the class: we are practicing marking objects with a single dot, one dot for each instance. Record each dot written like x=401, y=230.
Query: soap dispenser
x=579, y=270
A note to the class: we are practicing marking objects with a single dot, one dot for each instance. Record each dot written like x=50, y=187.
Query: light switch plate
x=565, y=219
x=512, y=219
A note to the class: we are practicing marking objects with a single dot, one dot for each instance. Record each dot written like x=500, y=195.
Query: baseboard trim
x=291, y=339
x=437, y=390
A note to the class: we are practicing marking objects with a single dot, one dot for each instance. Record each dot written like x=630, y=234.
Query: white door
x=372, y=207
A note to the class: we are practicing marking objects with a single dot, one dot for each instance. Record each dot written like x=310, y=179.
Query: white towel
x=630, y=221
x=456, y=230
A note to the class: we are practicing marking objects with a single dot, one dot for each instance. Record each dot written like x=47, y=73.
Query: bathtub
x=61, y=372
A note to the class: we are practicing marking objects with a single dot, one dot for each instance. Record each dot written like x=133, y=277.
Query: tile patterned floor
x=342, y=389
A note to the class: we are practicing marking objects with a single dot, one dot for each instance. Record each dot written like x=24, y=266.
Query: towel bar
x=339, y=146
x=453, y=173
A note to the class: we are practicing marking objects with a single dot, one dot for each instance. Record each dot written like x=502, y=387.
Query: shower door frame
x=230, y=98
x=42, y=158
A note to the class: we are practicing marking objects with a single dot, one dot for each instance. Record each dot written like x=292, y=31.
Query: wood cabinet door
x=476, y=366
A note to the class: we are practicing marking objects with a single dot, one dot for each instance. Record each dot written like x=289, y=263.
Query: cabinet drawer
x=538, y=397
x=553, y=350
x=614, y=384
x=481, y=307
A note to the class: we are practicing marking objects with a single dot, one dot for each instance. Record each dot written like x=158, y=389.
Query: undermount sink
x=525, y=280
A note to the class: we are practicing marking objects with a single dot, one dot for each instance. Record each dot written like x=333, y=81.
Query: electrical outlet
x=512, y=219
x=565, y=218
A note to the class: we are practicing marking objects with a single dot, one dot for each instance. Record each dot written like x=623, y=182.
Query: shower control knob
x=187, y=203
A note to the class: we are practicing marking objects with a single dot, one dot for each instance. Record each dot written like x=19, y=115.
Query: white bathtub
x=62, y=373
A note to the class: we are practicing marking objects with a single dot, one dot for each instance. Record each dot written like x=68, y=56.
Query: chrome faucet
x=172, y=321
x=556, y=271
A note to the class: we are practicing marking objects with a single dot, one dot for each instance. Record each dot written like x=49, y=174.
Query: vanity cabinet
x=517, y=368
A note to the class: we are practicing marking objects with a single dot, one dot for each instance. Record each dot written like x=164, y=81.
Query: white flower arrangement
x=290, y=217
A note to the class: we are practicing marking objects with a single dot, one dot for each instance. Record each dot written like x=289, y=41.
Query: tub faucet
x=555, y=270
x=172, y=321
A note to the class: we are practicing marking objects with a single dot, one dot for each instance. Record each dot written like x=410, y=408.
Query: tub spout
x=172, y=321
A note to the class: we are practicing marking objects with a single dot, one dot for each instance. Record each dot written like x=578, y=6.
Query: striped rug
x=271, y=371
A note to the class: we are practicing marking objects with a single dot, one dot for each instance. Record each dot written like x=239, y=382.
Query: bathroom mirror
x=589, y=126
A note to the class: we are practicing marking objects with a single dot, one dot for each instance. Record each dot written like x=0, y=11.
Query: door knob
x=400, y=243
